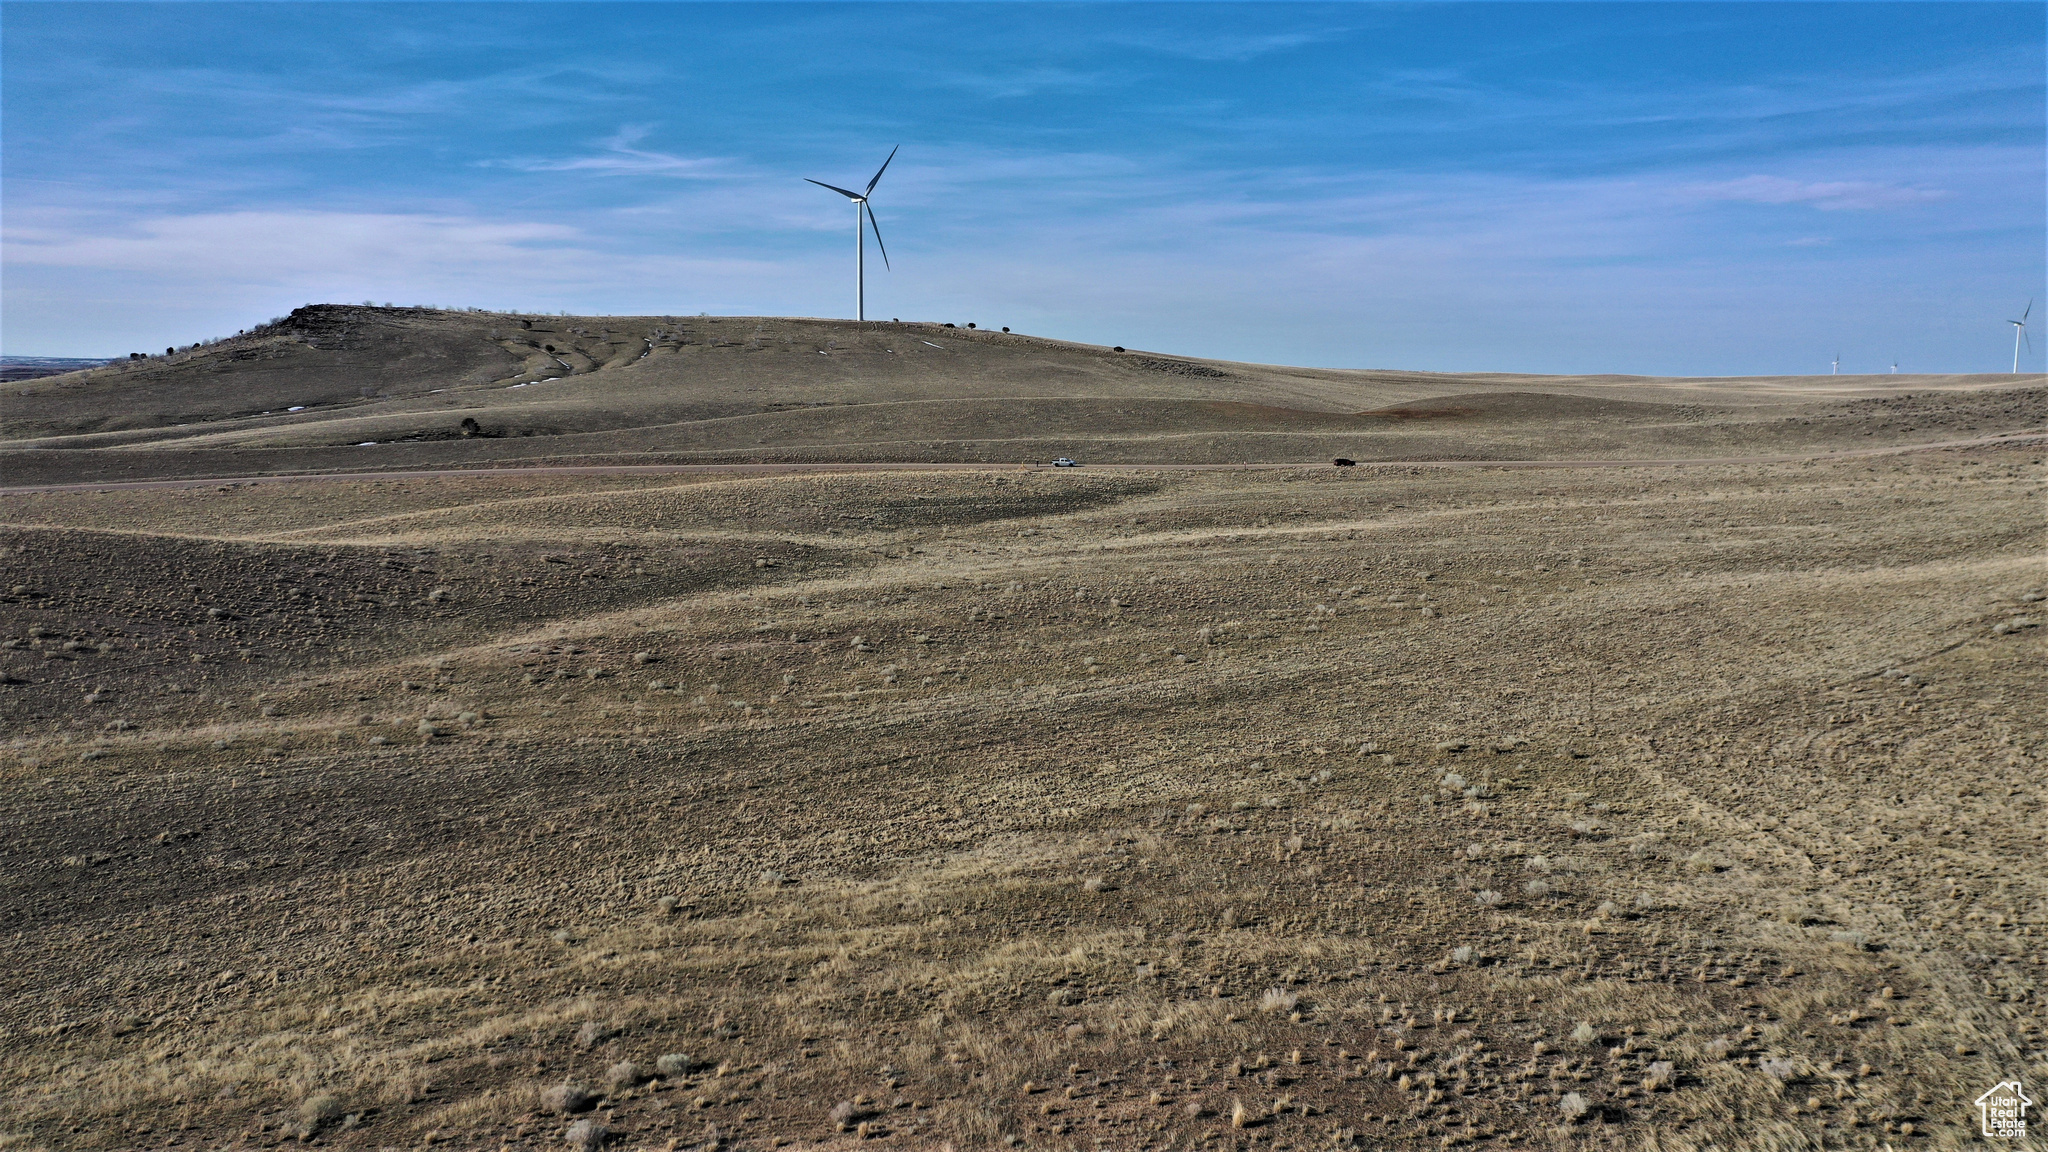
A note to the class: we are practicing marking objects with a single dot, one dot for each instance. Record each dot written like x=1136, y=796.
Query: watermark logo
x=2003, y=1111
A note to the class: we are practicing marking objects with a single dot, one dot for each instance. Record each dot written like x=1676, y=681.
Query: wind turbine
x=2019, y=329
x=860, y=248
x=1836, y=370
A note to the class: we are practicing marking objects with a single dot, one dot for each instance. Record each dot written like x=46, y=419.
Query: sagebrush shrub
x=567, y=1098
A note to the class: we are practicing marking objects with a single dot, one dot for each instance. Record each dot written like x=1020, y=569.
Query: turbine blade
x=841, y=191
x=878, y=236
x=2028, y=312
x=882, y=169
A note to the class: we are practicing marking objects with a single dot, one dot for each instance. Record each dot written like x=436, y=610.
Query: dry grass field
x=1648, y=807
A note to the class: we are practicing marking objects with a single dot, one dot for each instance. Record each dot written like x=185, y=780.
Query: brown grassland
x=1659, y=806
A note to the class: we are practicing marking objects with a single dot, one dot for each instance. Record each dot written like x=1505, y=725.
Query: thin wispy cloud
x=274, y=245
x=259, y=260
x=1826, y=195
x=1227, y=43
x=618, y=156
x=1013, y=84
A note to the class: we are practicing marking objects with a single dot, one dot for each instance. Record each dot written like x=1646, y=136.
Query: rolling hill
x=347, y=388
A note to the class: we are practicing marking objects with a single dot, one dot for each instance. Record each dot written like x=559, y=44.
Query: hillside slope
x=336, y=387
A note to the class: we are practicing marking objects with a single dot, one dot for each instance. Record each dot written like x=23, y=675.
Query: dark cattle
x=1343, y=463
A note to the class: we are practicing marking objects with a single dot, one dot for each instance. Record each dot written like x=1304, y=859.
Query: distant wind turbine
x=1837, y=369
x=860, y=248
x=2019, y=330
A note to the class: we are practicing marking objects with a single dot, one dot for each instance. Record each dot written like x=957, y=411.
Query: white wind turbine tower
x=1836, y=369
x=2019, y=329
x=860, y=248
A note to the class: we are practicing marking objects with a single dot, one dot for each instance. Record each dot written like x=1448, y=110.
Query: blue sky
x=1673, y=188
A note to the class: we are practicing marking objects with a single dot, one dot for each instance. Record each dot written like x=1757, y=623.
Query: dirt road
x=778, y=468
